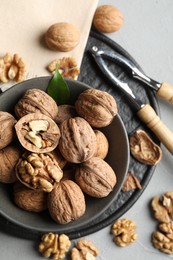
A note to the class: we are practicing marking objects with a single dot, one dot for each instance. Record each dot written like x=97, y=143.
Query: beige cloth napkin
x=24, y=22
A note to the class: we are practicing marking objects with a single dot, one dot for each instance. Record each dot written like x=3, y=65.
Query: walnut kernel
x=67, y=67
x=84, y=250
x=124, y=232
x=62, y=37
x=54, y=245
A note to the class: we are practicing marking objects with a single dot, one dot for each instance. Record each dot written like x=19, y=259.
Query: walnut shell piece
x=29, y=199
x=8, y=159
x=95, y=177
x=54, y=245
x=38, y=171
x=66, y=202
x=107, y=19
x=97, y=107
x=102, y=145
x=78, y=140
x=37, y=133
x=36, y=100
x=144, y=149
x=62, y=37
x=7, y=131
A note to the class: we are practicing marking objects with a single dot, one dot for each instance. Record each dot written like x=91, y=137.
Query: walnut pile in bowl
x=85, y=138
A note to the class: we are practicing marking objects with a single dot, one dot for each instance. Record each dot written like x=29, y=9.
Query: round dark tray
x=92, y=76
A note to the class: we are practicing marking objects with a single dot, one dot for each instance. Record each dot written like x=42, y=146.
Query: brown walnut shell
x=36, y=100
x=28, y=199
x=95, y=177
x=7, y=131
x=102, y=145
x=97, y=107
x=66, y=202
x=62, y=37
x=144, y=149
x=65, y=112
x=78, y=140
x=38, y=140
x=38, y=171
x=8, y=159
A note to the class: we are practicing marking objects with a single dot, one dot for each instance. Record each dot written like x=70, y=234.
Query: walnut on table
x=84, y=250
x=124, y=232
x=54, y=246
x=131, y=183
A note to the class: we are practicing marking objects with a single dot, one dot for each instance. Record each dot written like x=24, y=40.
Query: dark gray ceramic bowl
x=118, y=158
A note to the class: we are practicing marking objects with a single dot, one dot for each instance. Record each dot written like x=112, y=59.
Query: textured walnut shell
x=50, y=138
x=144, y=149
x=36, y=100
x=65, y=112
x=7, y=132
x=95, y=177
x=102, y=145
x=28, y=199
x=8, y=159
x=66, y=202
x=97, y=107
x=78, y=141
x=62, y=37
x=107, y=19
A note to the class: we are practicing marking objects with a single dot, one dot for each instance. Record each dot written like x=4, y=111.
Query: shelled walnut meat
x=66, y=202
x=95, y=177
x=78, y=140
x=8, y=159
x=37, y=133
x=97, y=107
x=35, y=100
x=7, y=133
x=38, y=171
x=84, y=249
x=29, y=199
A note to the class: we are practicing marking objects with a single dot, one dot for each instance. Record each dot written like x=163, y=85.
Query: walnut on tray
x=124, y=232
x=84, y=250
x=37, y=133
x=7, y=132
x=35, y=100
x=95, y=177
x=67, y=67
x=131, y=183
x=144, y=149
x=12, y=67
x=38, y=171
x=54, y=246
x=66, y=202
x=97, y=107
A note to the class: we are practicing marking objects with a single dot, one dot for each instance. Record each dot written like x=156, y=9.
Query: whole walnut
x=7, y=131
x=107, y=19
x=97, y=107
x=102, y=145
x=66, y=202
x=28, y=199
x=78, y=140
x=62, y=37
x=65, y=112
x=36, y=100
x=95, y=177
x=8, y=159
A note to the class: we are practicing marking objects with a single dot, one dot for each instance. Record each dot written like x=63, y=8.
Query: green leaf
x=58, y=88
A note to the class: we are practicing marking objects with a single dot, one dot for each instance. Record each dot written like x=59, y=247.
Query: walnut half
x=84, y=250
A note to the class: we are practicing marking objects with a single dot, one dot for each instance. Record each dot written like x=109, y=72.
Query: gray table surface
x=147, y=36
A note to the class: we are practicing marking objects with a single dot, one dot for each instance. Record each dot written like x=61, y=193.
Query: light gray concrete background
x=147, y=35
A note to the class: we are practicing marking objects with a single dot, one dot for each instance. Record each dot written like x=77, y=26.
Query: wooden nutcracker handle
x=152, y=120
x=166, y=92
